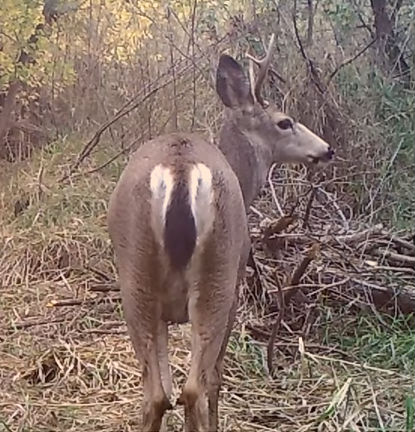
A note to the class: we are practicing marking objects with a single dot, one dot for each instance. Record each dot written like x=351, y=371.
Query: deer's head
x=260, y=121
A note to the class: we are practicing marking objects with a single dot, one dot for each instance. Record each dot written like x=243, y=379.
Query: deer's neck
x=249, y=158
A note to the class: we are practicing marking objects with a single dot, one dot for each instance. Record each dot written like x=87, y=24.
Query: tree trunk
x=6, y=115
x=390, y=56
x=9, y=103
x=310, y=26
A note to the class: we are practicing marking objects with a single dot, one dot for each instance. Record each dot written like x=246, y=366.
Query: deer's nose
x=330, y=153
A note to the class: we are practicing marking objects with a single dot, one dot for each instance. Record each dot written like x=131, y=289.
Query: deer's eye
x=285, y=124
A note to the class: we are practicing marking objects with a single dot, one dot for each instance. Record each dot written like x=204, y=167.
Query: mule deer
x=177, y=221
x=255, y=134
x=178, y=225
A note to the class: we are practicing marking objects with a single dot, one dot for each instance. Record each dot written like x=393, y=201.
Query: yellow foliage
x=111, y=31
x=20, y=35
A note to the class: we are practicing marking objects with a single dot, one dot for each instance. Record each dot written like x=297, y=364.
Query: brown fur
x=254, y=133
x=156, y=291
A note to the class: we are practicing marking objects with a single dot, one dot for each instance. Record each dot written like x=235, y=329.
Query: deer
x=255, y=134
x=178, y=225
x=177, y=220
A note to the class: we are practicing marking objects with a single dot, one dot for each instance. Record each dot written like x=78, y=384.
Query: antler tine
x=263, y=68
x=251, y=76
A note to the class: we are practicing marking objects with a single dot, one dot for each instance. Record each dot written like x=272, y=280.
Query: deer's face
x=291, y=141
x=263, y=124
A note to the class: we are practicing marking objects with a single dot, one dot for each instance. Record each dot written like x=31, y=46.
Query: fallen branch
x=299, y=272
x=65, y=302
x=400, y=242
x=309, y=207
x=385, y=296
x=404, y=260
x=33, y=323
x=286, y=297
x=104, y=331
x=355, y=237
x=272, y=236
x=275, y=329
x=77, y=302
x=104, y=287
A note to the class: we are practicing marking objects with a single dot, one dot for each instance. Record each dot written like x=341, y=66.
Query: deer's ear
x=232, y=85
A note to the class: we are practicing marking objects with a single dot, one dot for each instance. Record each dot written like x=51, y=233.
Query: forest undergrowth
x=344, y=352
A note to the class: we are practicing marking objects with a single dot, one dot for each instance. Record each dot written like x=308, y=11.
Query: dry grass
x=344, y=355
x=66, y=363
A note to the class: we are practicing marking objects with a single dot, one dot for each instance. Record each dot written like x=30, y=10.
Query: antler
x=263, y=68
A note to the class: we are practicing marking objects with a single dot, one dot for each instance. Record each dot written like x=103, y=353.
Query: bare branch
x=350, y=60
x=284, y=299
x=310, y=64
x=130, y=106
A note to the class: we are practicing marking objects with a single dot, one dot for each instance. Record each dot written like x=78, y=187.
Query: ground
x=66, y=363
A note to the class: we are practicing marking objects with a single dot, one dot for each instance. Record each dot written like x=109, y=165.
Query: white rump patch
x=161, y=185
x=201, y=197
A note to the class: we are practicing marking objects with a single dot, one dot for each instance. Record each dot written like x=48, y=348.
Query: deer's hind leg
x=163, y=354
x=209, y=311
x=215, y=378
x=149, y=338
x=217, y=373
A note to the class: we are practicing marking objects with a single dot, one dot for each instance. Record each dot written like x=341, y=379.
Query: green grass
x=390, y=346
x=383, y=114
x=410, y=413
x=50, y=203
x=387, y=344
x=248, y=354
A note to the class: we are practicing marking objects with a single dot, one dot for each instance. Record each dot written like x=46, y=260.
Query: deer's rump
x=177, y=221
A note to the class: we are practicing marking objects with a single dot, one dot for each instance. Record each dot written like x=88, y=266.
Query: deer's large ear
x=231, y=83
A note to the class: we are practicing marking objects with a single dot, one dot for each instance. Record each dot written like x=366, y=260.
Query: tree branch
x=350, y=60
